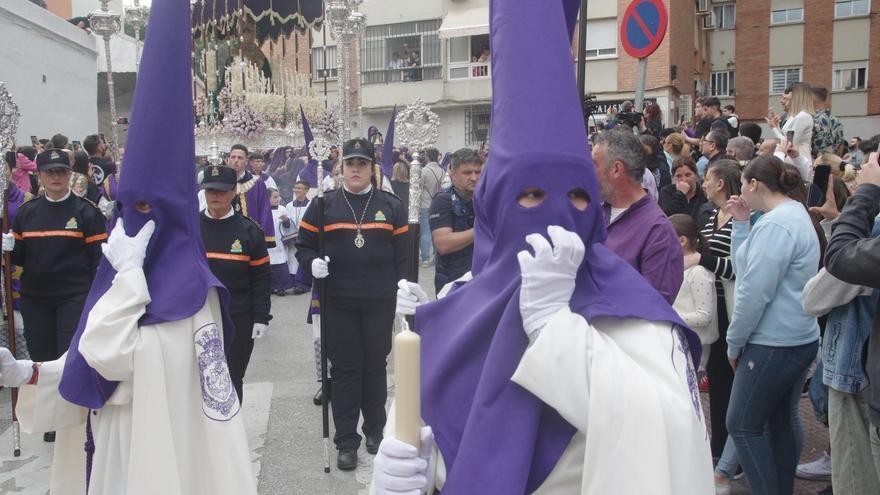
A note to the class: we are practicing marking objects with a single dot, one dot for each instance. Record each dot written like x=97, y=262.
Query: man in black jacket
x=366, y=251
x=238, y=257
x=854, y=257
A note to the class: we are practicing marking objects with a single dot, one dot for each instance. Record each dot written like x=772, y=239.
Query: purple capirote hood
x=176, y=268
x=495, y=436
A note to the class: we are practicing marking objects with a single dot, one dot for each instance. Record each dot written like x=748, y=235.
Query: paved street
x=284, y=427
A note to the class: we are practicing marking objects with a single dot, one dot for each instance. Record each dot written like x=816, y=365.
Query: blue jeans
x=425, y=240
x=763, y=414
x=729, y=461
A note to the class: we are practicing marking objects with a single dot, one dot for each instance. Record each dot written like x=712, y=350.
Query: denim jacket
x=846, y=332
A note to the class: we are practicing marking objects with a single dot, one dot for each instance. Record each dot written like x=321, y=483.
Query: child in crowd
x=301, y=280
x=278, y=254
x=695, y=303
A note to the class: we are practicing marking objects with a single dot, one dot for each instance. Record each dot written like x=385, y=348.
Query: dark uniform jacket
x=237, y=255
x=58, y=246
x=371, y=271
x=450, y=209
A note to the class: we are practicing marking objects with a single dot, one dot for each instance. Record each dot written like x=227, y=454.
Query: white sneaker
x=820, y=469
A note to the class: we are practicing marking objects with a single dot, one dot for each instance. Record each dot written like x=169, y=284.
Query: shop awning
x=467, y=22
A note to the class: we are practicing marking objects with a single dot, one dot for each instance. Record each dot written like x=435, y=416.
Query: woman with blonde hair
x=674, y=147
x=801, y=107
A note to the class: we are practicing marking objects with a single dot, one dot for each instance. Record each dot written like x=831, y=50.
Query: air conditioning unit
x=702, y=7
x=709, y=22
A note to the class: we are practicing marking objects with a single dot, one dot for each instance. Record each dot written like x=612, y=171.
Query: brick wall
x=874, y=61
x=752, y=58
x=818, y=40
x=680, y=35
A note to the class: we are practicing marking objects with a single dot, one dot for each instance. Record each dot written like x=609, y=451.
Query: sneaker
x=740, y=474
x=704, y=382
x=820, y=469
x=426, y=264
x=722, y=485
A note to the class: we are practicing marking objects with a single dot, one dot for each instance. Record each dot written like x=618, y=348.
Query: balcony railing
x=405, y=74
x=472, y=70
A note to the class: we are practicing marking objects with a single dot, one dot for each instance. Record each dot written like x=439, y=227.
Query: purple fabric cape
x=175, y=266
x=496, y=437
x=257, y=206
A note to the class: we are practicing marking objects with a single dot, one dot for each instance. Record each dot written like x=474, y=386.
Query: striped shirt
x=718, y=260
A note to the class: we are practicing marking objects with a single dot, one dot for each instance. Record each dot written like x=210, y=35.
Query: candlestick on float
x=417, y=127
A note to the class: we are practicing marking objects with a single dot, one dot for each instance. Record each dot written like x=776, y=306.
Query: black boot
x=347, y=460
x=49, y=436
x=373, y=442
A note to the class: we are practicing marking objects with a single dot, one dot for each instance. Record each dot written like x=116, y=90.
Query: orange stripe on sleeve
x=401, y=230
x=308, y=226
x=94, y=238
x=52, y=233
x=258, y=262
x=353, y=226
x=229, y=257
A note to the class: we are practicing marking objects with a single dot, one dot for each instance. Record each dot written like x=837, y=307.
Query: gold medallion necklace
x=359, y=237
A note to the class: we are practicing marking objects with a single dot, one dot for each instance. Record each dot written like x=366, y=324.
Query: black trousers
x=720, y=382
x=358, y=343
x=238, y=355
x=49, y=324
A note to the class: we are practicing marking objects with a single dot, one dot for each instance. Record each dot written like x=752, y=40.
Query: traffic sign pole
x=641, y=31
x=641, y=76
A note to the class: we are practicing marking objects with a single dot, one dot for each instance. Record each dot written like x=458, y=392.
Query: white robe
x=171, y=426
x=295, y=213
x=630, y=390
x=278, y=254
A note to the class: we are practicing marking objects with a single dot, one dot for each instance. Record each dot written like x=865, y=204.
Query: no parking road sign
x=643, y=27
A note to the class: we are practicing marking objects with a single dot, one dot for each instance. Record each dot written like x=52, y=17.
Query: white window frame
x=836, y=75
x=729, y=78
x=722, y=21
x=850, y=4
x=318, y=62
x=787, y=83
x=604, y=45
x=788, y=16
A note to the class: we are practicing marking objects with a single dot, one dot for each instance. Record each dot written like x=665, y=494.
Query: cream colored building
x=757, y=48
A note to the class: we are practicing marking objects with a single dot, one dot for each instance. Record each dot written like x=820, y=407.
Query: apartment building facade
x=746, y=52
x=757, y=48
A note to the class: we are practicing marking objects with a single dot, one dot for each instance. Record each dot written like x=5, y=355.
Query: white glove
x=548, y=277
x=14, y=373
x=319, y=267
x=126, y=253
x=409, y=296
x=260, y=331
x=400, y=469
x=8, y=241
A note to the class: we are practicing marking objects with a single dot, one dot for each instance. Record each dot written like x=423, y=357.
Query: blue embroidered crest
x=219, y=400
x=691, y=375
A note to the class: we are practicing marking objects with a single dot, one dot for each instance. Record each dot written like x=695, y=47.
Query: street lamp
x=348, y=26
x=137, y=17
x=105, y=24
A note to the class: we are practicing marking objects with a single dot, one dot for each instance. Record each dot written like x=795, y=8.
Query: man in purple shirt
x=638, y=231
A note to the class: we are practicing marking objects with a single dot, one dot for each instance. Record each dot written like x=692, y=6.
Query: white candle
x=407, y=389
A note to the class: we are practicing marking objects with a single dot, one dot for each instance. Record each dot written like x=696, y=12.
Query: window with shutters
x=783, y=77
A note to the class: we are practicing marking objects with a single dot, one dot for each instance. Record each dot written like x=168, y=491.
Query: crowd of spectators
x=747, y=205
